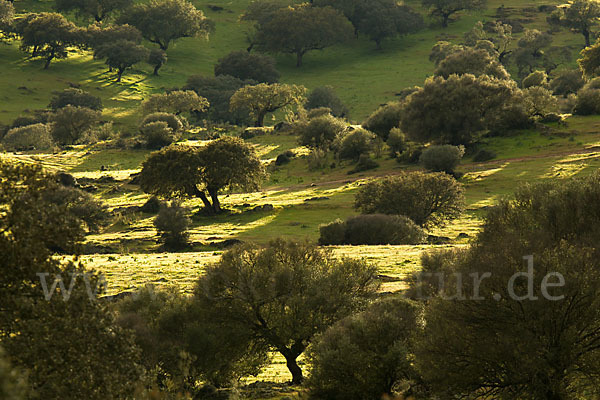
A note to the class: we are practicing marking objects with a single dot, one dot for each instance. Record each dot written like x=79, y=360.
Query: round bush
x=246, y=66
x=325, y=96
x=384, y=119
x=380, y=229
x=536, y=78
x=77, y=98
x=172, y=120
x=172, y=225
x=332, y=233
x=484, y=155
x=396, y=142
x=157, y=134
x=428, y=199
x=321, y=131
x=442, y=158
x=588, y=102
x=567, y=82
x=29, y=137
x=355, y=144
x=368, y=355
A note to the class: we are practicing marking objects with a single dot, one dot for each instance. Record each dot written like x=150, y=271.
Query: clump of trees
x=580, y=16
x=184, y=171
x=445, y=9
x=429, y=199
x=99, y=10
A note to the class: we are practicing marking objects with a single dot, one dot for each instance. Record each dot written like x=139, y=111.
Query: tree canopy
x=121, y=55
x=261, y=99
x=285, y=293
x=444, y=9
x=183, y=171
x=302, y=28
x=164, y=21
x=580, y=16
x=99, y=10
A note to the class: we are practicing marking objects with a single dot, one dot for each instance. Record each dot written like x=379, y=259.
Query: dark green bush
x=248, y=66
x=320, y=132
x=566, y=82
x=332, y=233
x=284, y=158
x=172, y=120
x=380, y=229
x=367, y=356
x=77, y=98
x=356, y=143
x=365, y=163
x=384, y=119
x=588, y=101
x=484, y=155
x=157, y=134
x=428, y=199
x=172, y=224
x=325, y=96
x=443, y=158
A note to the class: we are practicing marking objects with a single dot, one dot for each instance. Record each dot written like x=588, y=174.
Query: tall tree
x=446, y=8
x=99, y=10
x=164, y=21
x=70, y=349
x=580, y=16
x=7, y=14
x=121, y=55
x=175, y=102
x=48, y=35
x=382, y=19
x=302, y=28
x=263, y=98
x=285, y=293
x=183, y=171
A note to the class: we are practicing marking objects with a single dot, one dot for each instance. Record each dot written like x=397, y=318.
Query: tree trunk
x=295, y=370
x=156, y=68
x=216, y=205
x=378, y=43
x=119, y=74
x=207, y=205
x=48, y=60
x=586, y=35
x=260, y=120
x=445, y=18
x=299, y=58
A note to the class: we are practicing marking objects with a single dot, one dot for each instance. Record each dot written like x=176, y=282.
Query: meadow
x=128, y=253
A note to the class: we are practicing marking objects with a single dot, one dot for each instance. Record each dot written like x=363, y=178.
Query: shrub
x=320, y=132
x=76, y=98
x=367, y=356
x=384, y=119
x=365, y=163
x=380, y=229
x=355, y=144
x=172, y=225
x=318, y=112
x=69, y=123
x=588, y=101
x=429, y=199
x=325, y=96
x=29, y=137
x=536, y=78
x=172, y=120
x=317, y=159
x=157, y=134
x=567, y=82
x=284, y=158
x=246, y=66
x=333, y=233
x=443, y=158
x=396, y=141
x=484, y=155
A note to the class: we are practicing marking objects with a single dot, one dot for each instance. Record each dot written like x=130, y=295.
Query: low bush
x=332, y=233
x=77, y=98
x=536, y=78
x=157, y=134
x=325, y=96
x=284, y=158
x=567, y=82
x=384, y=119
x=484, y=155
x=442, y=158
x=320, y=132
x=355, y=144
x=172, y=120
x=29, y=137
x=365, y=163
x=172, y=225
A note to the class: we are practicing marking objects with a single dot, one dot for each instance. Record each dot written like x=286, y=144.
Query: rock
x=225, y=244
x=463, y=235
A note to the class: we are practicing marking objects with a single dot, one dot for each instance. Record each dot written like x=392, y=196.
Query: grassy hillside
x=363, y=76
